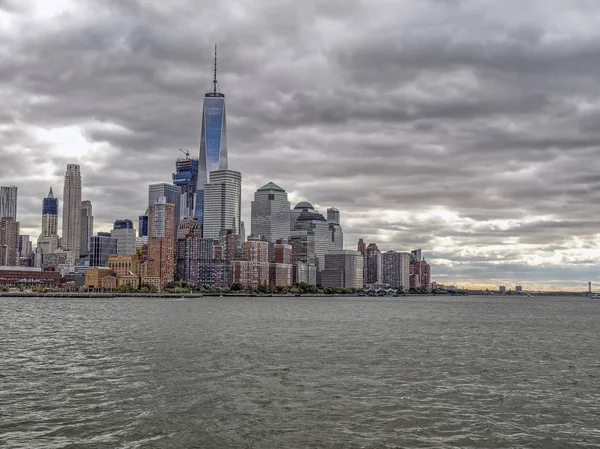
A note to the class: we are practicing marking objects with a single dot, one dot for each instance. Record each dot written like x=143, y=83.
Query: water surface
x=468, y=372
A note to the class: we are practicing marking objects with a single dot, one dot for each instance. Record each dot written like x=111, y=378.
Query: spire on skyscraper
x=214, y=83
x=50, y=194
x=214, y=88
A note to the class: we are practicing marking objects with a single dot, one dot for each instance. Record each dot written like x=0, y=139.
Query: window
x=271, y=196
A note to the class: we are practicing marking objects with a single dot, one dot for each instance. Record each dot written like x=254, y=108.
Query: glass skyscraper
x=213, y=139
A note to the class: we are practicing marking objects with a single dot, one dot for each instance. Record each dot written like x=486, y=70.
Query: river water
x=468, y=372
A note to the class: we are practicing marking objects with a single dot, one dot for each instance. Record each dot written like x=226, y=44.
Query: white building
x=270, y=212
x=222, y=203
x=126, y=240
x=396, y=269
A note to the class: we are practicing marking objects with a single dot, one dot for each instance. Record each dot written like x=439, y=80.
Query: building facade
x=396, y=269
x=143, y=225
x=373, y=264
x=9, y=241
x=161, y=242
x=343, y=268
x=71, y=236
x=270, y=212
x=186, y=178
x=8, y=202
x=102, y=246
x=87, y=227
x=222, y=203
x=172, y=195
x=125, y=235
x=48, y=240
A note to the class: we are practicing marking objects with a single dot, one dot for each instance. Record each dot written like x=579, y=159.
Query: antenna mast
x=215, y=72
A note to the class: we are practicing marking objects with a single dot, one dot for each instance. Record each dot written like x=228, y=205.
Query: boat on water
x=595, y=297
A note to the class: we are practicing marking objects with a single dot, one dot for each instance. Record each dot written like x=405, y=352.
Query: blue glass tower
x=213, y=139
x=186, y=177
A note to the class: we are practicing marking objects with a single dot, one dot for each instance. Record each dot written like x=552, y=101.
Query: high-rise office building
x=317, y=233
x=270, y=212
x=333, y=215
x=186, y=178
x=222, y=203
x=87, y=227
x=213, y=140
x=102, y=245
x=396, y=269
x=143, y=225
x=48, y=240
x=343, y=268
x=172, y=194
x=50, y=215
x=335, y=229
x=72, y=210
x=161, y=243
x=297, y=210
x=9, y=241
x=125, y=235
x=8, y=202
x=373, y=264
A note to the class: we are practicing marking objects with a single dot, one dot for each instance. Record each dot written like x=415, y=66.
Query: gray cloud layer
x=467, y=128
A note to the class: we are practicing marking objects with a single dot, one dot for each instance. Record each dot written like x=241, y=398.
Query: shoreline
x=108, y=295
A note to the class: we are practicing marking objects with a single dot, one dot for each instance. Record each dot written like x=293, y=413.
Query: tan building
x=124, y=264
x=132, y=281
x=109, y=282
x=161, y=242
x=94, y=276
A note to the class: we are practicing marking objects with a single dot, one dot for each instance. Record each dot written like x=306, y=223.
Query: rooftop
x=271, y=186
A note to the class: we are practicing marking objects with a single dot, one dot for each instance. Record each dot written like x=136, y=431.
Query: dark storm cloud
x=462, y=127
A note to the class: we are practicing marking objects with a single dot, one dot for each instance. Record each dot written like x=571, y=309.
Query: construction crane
x=187, y=154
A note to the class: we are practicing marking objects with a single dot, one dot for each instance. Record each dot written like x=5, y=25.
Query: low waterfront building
x=28, y=277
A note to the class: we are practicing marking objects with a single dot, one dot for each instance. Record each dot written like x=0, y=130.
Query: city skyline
x=443, y=153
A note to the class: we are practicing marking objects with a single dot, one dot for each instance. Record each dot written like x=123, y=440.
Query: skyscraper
x=373, y=264
x=270, y=213
x=172, y=195
x=48, y=240
x=186, y=177
x=213, y=139
x=143, y=225
x=87, y=227
x=396, y=269
x=124, y=233
x=316, y=230
x=8, y=202
x=50, y=215
x=335, y=229
x=102, y=246
x=222, y=203
x=72, y=210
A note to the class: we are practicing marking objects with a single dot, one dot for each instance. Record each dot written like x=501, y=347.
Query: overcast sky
x=469, y=129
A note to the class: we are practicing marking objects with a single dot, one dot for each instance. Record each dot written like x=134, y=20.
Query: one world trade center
x=213, y=139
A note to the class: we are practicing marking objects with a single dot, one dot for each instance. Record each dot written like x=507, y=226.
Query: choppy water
x=300, y=373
